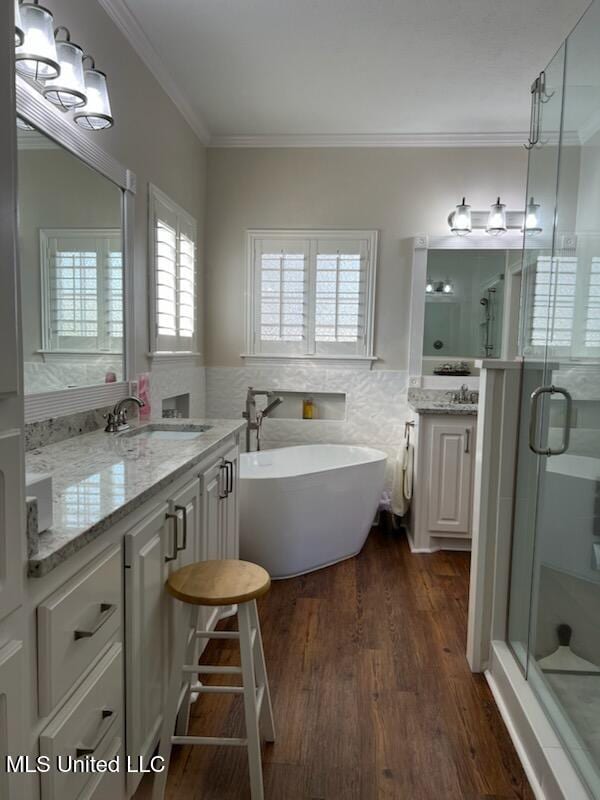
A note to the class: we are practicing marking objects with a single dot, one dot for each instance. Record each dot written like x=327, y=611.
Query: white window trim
x=156, y=195
x=46, y=234
x=253, y=356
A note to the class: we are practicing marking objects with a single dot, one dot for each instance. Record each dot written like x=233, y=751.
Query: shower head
x=484, y=301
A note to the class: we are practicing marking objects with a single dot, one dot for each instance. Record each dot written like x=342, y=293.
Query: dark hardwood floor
x=372, y=694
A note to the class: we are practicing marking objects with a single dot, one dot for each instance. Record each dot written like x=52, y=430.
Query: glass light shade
x=19, y=34
x=496, y=224
x=36, y=57
x=68, y=89
x=448, y=287
x=532, y=223
x=429, y=287
x=96, y=114
x=460, y=220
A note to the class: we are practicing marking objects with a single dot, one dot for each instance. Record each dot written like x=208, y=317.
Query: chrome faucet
x=254, y=418
x=116, y=420
x=464, y=396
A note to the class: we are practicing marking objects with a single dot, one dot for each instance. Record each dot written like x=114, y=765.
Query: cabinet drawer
x=90, y=723
x=75, y=624
x=110, y=785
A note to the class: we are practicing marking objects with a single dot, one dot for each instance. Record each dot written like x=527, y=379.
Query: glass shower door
x=542, y=180
x=554, y=618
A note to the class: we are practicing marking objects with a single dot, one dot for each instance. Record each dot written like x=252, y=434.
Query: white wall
x=401, y=192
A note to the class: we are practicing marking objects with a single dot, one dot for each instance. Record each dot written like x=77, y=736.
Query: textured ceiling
x=248, y=67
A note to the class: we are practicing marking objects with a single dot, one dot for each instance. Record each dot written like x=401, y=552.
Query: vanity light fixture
x=19, y=34
x=532, y=222
x=96, y=114
x=36, y=57
x=439, y=287
x=68, y=89
x=496, y=224
x=460, y=219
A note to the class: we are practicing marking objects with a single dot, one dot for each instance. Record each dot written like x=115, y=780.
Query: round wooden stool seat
x=219, y=583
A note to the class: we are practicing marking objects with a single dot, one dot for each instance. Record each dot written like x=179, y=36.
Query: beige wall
x=401, y=192
x=149, y=137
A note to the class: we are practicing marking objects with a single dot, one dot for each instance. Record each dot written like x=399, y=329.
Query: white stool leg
x=183, y=617
x=191, y=657
x=267, y=723
x=250, y=702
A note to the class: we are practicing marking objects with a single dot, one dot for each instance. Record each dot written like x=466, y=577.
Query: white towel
x=403, y=479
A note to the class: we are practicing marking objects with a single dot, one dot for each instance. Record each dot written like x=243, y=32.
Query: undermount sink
x=167, y=432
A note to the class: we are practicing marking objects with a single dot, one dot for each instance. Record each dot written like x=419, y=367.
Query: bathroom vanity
x=444, y=440
x=128, y=509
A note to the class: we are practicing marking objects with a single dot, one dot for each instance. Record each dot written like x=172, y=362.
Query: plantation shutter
x=592, y=317
x=340, y=295
x=174, y=249
x=82, y=279
x=281, y=292
x=552, y=310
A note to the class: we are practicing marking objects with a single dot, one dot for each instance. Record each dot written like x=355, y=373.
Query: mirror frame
x=477, y=240
x=33, y=108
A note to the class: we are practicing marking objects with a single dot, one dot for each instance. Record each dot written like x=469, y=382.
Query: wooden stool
x=220, y=583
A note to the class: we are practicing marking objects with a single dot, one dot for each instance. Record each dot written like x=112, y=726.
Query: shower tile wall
x=376, y=404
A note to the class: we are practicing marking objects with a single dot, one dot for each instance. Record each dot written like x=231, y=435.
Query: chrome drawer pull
x=106, y=612
x=107, y=721
x=467, y=439
x=183, y=510
x=173, y=555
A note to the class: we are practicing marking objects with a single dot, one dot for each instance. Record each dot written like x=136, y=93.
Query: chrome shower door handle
x=533, y=421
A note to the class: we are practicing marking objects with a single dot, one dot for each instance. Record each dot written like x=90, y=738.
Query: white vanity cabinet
x=441, y=514
x=12, y=720
x=196, y=522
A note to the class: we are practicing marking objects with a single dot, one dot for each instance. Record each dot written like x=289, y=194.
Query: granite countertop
x=443, y=407
x=99, y=478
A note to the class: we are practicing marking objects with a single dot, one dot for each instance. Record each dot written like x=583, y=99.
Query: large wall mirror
x=71, y=257
x=74, y=208
x=465, y=303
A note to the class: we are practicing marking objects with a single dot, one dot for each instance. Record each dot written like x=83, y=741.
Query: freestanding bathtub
x=302, y=508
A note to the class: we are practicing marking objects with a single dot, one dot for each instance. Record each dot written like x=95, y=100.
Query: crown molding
x=120, y=14
x=509, y=139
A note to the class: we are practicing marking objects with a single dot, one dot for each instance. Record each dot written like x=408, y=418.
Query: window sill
x=349, y=362
x=179, y=358
x=77, y=355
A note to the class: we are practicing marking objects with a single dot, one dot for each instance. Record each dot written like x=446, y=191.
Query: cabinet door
x=213, y=491
x=230, y=507
x=147, y=547
x=451, y=448
x=12, y=720
x=186, y=505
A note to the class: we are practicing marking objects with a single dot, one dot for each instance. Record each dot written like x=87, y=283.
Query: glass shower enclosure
x=553, y=625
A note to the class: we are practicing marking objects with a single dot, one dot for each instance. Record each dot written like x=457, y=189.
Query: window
x=173, y=255
x=564, y=306
x=82, y=288
x=311, y=294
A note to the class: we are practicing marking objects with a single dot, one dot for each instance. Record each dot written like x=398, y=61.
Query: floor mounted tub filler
x=303, y=508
